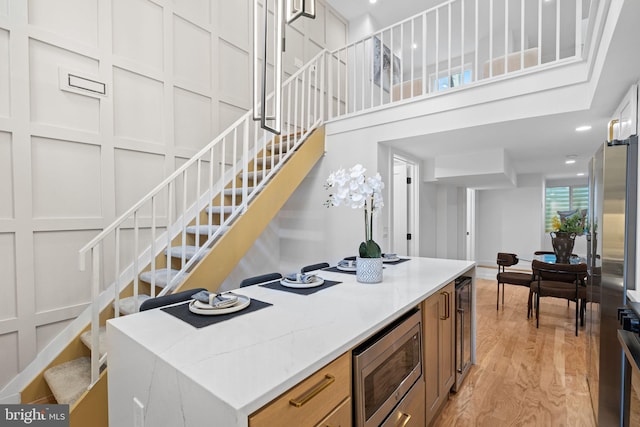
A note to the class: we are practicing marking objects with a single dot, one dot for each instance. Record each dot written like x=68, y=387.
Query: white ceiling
x=536, y=145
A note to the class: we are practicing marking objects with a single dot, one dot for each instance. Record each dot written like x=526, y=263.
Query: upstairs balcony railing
x=457, y=43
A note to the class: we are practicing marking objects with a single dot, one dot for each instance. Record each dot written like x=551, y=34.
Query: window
x=564, y=198
x=456, y=78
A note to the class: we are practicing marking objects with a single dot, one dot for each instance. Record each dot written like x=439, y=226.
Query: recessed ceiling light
x=372, y=1
x=580, y=174
x=571, y=159
x=583, y=128
x=415, y=45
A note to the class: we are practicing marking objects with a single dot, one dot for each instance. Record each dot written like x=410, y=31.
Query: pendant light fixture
x=269, y=110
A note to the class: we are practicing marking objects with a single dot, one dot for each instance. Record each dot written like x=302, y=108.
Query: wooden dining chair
x=505, y=276
x=263, y=278
x=566, y=281
x=313, y=267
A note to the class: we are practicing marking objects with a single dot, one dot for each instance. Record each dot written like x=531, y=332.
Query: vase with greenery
x=563, y=238
x=350, y=187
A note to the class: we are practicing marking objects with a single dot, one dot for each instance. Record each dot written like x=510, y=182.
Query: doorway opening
x=404, y=209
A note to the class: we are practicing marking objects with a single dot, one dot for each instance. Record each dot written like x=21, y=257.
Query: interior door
x=400, y=214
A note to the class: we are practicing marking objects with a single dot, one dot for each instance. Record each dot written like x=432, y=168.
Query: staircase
x=194, y=227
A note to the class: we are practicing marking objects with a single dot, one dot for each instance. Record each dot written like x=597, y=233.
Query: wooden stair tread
x=102, y=339
x=69, y=380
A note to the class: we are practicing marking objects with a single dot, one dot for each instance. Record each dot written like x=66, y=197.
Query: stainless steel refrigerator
x=611, y=247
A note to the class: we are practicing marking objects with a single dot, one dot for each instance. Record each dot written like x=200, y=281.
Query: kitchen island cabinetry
x=439, y=348
x=166, y=372
x=314, y=401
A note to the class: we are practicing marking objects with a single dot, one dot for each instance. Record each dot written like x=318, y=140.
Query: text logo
x=34, y=415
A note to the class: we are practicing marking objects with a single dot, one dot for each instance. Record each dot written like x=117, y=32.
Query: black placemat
x=400, y=261
x=182, y=312
x=336, y=270
x=300, y=291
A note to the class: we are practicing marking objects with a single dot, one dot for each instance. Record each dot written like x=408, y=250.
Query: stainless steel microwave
x=385, y=369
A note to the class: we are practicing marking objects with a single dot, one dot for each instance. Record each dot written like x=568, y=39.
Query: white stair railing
x=160, y=219
x=457, y=43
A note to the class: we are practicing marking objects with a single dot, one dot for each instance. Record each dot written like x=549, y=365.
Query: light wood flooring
x=523, y=376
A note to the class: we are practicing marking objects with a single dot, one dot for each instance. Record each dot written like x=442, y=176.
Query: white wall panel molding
x=124, y=63
x=235, y=25
x=8, y=284
x=73, y=19
x=45, y=333
x=57, y=280
x=5, y=87
x=6, y=177
x=196, y=11
x=21, y=157
x=7, y=225
x=233, y=77
x=192, y=121
x=49, y=105
x=132, y=144
x=8, y=326
x=65, y=43
x=4, y=8
x=191, y=58
x=138, y=31
x=6, y=124
x=9, y=357
x=64, y=134
x=138, y=106
x=65, y=178
x=59, y=314
x=67, y=224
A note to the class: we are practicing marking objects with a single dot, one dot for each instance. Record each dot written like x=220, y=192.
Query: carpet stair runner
x=69, y=380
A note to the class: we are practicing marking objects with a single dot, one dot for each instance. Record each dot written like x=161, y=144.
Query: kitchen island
x=165, y=372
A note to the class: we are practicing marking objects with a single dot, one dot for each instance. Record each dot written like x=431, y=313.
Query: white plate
x=199, y=307
x=317, y=281
x=346, y=268
x=391, y=259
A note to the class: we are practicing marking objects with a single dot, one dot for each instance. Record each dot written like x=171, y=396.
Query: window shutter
x=564, y=199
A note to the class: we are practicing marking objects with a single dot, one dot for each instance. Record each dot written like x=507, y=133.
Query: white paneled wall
x=177, y=72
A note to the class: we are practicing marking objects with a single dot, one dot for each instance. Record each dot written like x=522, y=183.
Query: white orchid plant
x=352, y=188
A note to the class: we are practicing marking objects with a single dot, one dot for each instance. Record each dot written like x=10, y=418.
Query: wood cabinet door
x=447, y=343
x=432, y=310
x=438, y=317
x=311, y=400
x=340, y=417
x=410, y=411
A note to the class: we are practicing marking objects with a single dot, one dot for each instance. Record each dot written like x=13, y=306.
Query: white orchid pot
x=369, y=270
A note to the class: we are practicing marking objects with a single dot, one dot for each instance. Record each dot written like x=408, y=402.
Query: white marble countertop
x=245, y=362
